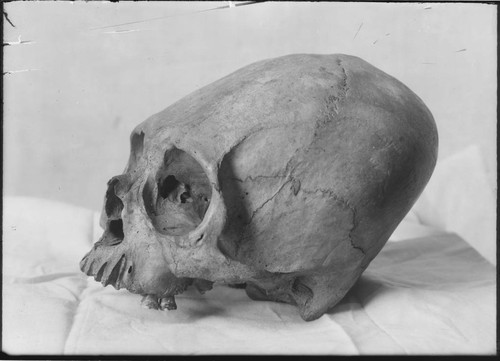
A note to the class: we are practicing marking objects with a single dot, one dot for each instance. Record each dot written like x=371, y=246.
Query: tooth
x=149, y=301
x=83, y=263
x=121, y=278
x=88, y=266
x=168, y=303
x=111, y=272
x=98, y=276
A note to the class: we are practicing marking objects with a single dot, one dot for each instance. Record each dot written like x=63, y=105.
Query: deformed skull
x=286, y=177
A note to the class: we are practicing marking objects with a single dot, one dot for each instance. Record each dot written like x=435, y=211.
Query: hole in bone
x=112, y=212
x=136, y=149
x=182, y=195
x=113, y=205
x=116, y=228
x=168, y=185
x=186, y=196
x=171, y=188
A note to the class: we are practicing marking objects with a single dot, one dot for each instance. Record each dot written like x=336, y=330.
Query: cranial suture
x=286, y=177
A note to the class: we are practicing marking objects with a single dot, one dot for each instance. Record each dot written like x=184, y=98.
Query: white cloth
x=429, y=295
x=459, y=198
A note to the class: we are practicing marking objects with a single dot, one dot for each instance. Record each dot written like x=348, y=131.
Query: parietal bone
x=286, y=177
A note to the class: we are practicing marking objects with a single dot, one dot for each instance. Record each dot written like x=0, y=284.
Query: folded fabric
x=429, y=295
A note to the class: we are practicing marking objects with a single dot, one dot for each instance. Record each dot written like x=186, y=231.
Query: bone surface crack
x=331, y=194
x=267, y=201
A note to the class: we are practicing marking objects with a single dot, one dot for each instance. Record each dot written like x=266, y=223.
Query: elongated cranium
x=286, y=177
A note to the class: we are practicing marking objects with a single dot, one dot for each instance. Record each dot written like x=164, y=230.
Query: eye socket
x=182, y=197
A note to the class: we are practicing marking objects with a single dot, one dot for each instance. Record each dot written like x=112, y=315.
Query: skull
x=286, y=177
